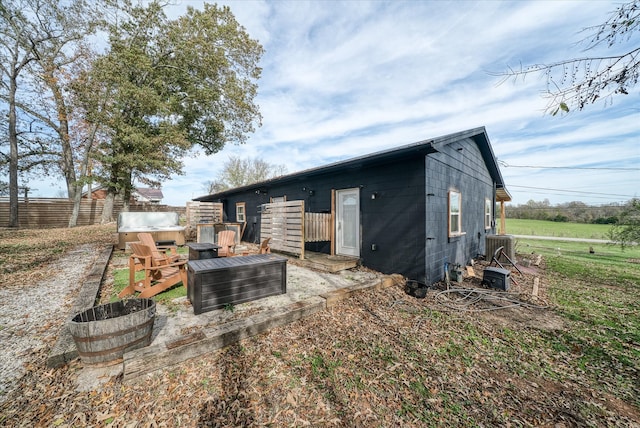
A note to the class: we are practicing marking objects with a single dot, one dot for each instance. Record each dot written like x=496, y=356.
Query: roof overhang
x=420, y=148
x=502, y=195
x=425, y=147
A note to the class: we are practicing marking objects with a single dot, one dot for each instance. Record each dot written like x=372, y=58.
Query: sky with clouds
x=346, y=79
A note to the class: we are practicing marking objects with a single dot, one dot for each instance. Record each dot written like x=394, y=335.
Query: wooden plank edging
x=145, y=360
x=156, y=357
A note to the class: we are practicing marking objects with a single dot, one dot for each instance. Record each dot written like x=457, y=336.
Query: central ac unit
x=494, y=242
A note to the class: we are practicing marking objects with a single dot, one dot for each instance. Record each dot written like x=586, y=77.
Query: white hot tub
x=163, y=226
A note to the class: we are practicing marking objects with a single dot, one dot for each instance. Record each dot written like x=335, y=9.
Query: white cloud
x=344, y=79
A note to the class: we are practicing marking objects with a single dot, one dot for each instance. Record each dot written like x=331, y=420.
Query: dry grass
x=378, y=359
x=25, y=253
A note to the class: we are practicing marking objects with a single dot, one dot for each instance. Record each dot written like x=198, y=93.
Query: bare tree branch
x=577, y=82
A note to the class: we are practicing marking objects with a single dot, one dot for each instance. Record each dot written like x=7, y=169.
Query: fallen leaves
x=27, y=252
x=376, y=359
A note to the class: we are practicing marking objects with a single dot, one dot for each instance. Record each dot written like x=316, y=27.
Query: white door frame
x=347, y=223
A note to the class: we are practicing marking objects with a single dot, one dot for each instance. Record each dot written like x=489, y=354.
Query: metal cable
x=472, y=296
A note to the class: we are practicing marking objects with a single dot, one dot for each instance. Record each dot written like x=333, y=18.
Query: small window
x=240, y=212
x=278, y=199
x=455, y=213
x=487, y=213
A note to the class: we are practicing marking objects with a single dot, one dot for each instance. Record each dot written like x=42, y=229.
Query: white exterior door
x=348, y=222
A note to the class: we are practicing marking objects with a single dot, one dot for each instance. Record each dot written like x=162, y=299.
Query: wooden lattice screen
x=289, y=227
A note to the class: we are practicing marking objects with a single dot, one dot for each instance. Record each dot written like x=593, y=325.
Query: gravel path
x=31, y=315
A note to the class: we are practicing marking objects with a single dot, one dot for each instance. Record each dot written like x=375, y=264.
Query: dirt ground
x=377, y=359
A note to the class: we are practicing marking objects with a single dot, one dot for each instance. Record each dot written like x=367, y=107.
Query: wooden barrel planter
x=104, y=333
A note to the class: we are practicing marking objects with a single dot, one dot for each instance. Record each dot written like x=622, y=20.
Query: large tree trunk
x=68, y=167
x=77, y=198
x=126, y=196
x=13, y=153
x=107, y=209
x=84, y=168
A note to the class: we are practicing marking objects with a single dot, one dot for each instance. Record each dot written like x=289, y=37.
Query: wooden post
x=503, y=227
x=302, y=225
x=333, y=222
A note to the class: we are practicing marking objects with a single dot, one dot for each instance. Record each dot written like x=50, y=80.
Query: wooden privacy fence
x=55, y=212
x=202, y=212
x=289, y=227
x=317, y=227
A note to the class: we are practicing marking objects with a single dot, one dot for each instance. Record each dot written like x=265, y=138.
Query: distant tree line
x=576, y=212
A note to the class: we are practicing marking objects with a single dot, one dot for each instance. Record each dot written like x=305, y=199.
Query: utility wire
x=469, y=297
x=570, y=191
x=506, y=165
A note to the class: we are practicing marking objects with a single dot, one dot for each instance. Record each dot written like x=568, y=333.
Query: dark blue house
x=410, y=210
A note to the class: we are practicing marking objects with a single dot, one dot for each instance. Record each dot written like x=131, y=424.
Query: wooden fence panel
x=289, y=227
x=317, y=227
x=202, y=212
x=36, y=213
x=283, y=222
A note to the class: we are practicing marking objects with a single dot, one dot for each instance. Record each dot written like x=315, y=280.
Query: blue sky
x=345, y=79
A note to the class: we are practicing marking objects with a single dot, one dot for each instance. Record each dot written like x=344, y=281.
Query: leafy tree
x=15, y=54
x=38, y=44
x=627, y=230
x=239, y=172
x=576, y=82
x=172, y=86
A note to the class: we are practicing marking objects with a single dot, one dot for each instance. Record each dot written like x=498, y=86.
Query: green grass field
x=598, y=293
x=557, y=229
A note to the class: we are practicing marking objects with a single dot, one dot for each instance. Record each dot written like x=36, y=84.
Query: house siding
x=389, y=221
x=392, y=220
x=404, y=229
x=464, y=171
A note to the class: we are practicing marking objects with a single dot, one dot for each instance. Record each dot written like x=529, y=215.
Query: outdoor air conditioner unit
x=494, y=242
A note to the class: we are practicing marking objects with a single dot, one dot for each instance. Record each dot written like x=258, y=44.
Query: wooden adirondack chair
x=227, y=243
x=264, y=247
x=162, y=254
x=157, y=277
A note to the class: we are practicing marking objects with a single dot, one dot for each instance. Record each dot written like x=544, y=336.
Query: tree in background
x=627, y=230
x=576, y=212
x=577, y=82
x=40, y=41
x=172, y=86
x=239, y=172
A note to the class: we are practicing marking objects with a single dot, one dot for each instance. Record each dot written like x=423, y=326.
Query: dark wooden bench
x=215, y=283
